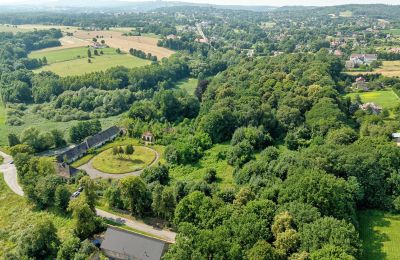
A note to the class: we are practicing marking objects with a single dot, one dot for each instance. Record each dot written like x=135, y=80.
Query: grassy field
x=117, y=164
x=54, y=56
x=388, y=69
x=395, y=32
x=31, y=119
x=188, y=84
x=384, y=98
x=16, y=213
x=380, y=233
x=11, y=28
x=98, y=63
x=346, y=14
x=119, y=142
x=210, y=160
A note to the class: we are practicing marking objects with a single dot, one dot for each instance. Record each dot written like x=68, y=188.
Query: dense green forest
x=283, y=159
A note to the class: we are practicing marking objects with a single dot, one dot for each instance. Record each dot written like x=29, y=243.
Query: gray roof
x=132, y=244
x=103, y=136
x=76, y=151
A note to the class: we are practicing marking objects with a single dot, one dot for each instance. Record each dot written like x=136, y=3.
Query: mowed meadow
x=383, y=98
x=74, y=61
x=380, y=232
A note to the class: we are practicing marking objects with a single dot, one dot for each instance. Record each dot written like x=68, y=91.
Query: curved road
x=11, y=178
x=94, y=173
x=10, y=174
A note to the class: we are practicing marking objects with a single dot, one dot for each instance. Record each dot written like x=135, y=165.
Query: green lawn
x=107, y=162
x=16, y=213
x=54, y=56
x=384, y=98
x=31, y=119
x=380, y=233
x=210, y=160
x=120, y=141
x=188, y=84
x=98, y=63
x=395, y=32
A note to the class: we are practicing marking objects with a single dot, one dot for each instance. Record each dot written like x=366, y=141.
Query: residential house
x=65, y=171
x=103, y=137
x=371, y=107
x=361, y=84
x=338, y=53
x=121, y=244
x=360, y=59
x=91, y=142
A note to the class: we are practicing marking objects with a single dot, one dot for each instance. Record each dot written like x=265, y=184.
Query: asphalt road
x=166, y=235
x=10, y=174
x=11, y=178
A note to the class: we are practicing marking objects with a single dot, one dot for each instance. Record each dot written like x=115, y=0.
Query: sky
x=249, y=2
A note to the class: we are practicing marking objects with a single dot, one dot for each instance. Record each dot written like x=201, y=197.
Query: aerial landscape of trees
x=266, y=156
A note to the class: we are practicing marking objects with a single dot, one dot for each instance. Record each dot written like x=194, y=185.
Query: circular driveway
x=94, y=173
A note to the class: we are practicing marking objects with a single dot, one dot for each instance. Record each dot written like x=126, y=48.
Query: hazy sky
x=250, y=2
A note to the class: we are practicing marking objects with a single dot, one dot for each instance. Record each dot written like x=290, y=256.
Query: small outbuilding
x=125, y=245
x=148, y=137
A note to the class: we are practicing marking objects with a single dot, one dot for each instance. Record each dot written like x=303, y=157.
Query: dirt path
x=94, y=173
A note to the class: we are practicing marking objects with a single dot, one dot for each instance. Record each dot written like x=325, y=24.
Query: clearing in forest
x=380, y=234
x=188, y=84
x=383, y=98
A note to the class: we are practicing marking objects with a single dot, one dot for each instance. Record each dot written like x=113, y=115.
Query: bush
x=210, y=176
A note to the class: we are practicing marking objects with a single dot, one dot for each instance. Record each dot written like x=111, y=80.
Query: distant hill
x=122, y=6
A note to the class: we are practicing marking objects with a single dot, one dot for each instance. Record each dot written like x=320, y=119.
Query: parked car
x=75, y=194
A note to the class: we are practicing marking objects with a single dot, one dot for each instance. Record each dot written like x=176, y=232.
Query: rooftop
x=133, y=244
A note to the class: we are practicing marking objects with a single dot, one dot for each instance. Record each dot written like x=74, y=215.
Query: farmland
x=117, y=40
x=380, y=234
x=54, y=56
x=113, y=37
x=384, y=98
x=388, y=69
x=74, y=61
